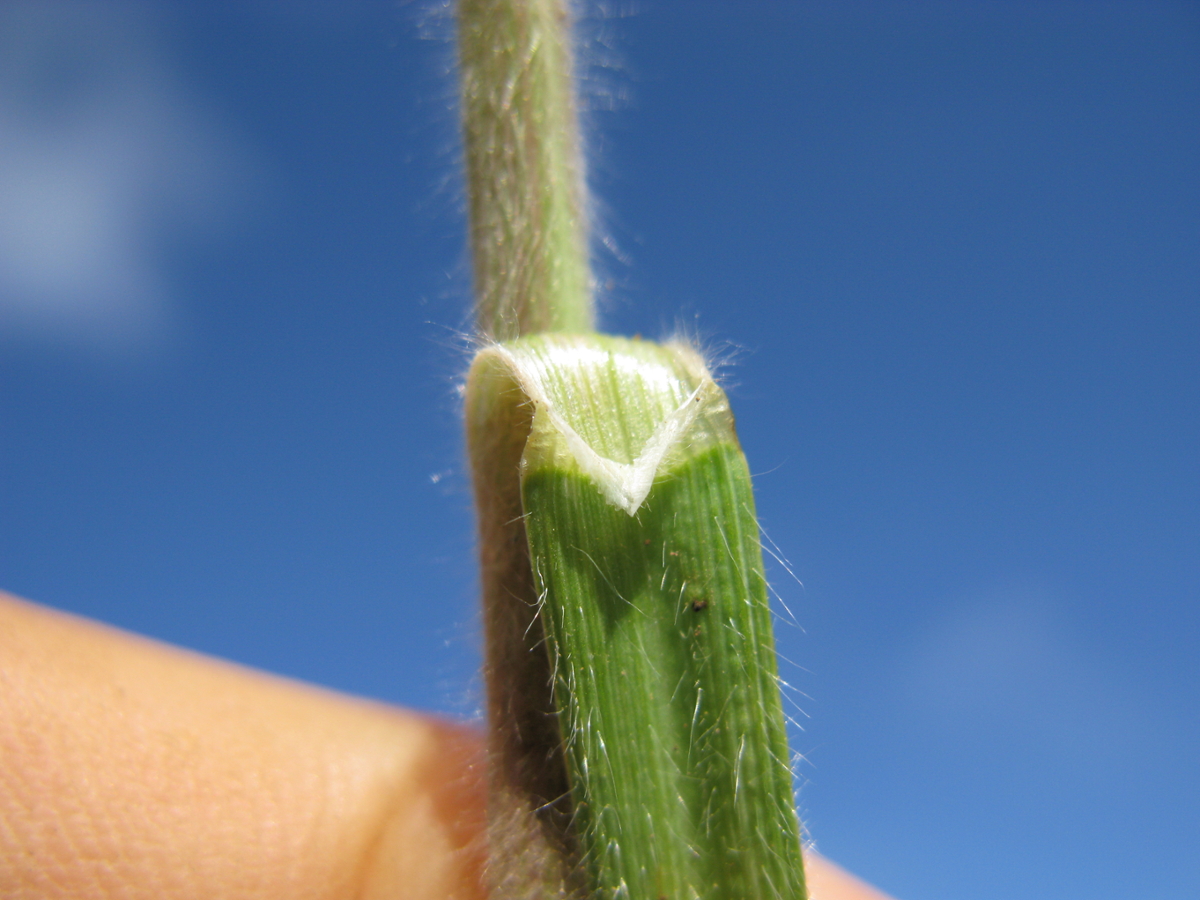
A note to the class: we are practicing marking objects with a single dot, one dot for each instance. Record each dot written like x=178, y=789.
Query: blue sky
x=951, y=250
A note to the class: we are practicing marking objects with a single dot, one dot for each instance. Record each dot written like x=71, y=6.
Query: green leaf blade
x=656, y=624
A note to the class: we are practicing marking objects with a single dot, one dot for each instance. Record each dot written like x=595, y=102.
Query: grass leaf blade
x=654, y=617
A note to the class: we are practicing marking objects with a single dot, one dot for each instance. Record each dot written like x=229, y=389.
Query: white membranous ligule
x=680, y=404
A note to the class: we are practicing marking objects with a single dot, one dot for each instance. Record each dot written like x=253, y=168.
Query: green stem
x=636, y=740
x=528, y=211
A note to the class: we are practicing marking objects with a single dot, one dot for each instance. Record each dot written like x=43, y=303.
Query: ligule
x=638, y=741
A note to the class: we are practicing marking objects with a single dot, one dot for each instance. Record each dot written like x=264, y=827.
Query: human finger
x=135, y=769
x=132, y=769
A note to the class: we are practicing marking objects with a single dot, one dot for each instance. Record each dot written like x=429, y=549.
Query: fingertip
x=432, y=840
x=829, y=881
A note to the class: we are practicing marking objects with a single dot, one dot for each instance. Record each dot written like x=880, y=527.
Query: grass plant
x=636, y=737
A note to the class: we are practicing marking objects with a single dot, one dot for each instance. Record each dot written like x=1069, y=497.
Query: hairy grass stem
x=525, y=177
x=637, y=748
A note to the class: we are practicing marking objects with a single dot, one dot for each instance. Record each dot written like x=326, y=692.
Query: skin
x=132, y=769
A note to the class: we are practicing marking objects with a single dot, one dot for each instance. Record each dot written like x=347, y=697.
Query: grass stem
x=636, y=739
x=525, y=178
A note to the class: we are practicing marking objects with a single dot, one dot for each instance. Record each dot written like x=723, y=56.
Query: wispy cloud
x=1009, y=669
x=104, y=159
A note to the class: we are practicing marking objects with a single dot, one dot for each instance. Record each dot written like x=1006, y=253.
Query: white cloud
x=103, y=159
x=1009, y=669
